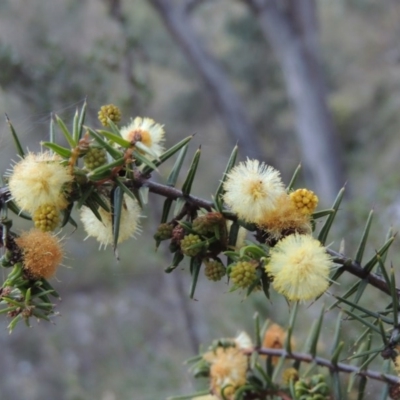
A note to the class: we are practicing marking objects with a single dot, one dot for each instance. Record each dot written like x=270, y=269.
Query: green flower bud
x=46, y=217
x=188, y=243
x=243, y=274
x=207, y=223
x=94, y=158
x=214, y=270
x=164, y=232
x=109, y=111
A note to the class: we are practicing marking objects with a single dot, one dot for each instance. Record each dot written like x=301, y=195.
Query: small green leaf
x=165, y=212
x=364, y=238
x=312, y=341
x=336, y=352
x=77, y=134
x=114, y=128
x=294, y=178
x=368, y=312
x=322, y=213
x=62, y=151
x=323, y=235
x=336, y=386
x=362, y=320
x=75, y=127
x=52, y=136
x=144, y=160
x=383, y=271
x=231, y=162
x=178, y=257
x=66, y=132
x=381, y=253
x=195, y=265
x=125, y=189
x=336, y=336
x=98, y=172
x=17, y=143
x=187, y=185
x=115, y=138
x=179, y=204
x=166, y=155
x=117, y=200
x=173, y=176
x=67, y=215
x=11, y=205
x=116, y=154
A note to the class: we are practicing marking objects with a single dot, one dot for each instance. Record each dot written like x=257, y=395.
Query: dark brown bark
x=291, y=28
x=225, y=98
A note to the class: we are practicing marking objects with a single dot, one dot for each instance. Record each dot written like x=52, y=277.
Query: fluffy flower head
x=300, y=267
x=228, y=370
x=39, y=179
x=147, y=131
x=274, y=338
x=42, y=253
x=243, y=341
x=285, y=219
x=102, y=230
x=252, y=189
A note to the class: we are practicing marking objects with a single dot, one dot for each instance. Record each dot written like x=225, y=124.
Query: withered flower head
x=42, y=253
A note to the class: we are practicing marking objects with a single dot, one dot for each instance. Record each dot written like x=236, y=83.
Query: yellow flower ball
x=102, y=230
x=252, y=189
x=300, y=267
x=305, y=200
x=146, y=131
x=40, y=179
x=227, y=371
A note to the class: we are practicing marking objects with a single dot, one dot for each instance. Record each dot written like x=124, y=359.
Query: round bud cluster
x=46, y=217
x=314, y=388
x=164, y=232
x=109, y=111
x=206, y=223
x=186, y=245
x=290, y=374
x=243, y=274
x=305, y=200
x=214, y=270
x=177, y=234
x=95, y=157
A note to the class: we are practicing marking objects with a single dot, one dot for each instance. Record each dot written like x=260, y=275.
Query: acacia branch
x=323, y=362
x=172, y=193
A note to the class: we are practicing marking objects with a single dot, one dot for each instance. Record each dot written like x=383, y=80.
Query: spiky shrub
x=287, y=255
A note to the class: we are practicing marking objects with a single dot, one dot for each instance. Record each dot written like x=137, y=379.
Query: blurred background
x=316, y=83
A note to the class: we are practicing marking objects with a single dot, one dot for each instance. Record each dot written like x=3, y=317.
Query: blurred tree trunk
x=292, y=30
x=225, y=98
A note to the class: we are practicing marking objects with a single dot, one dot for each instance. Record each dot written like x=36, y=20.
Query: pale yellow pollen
x=146, y=138
x=256, y=190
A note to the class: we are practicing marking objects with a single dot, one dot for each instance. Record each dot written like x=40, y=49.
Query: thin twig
x=323, y=362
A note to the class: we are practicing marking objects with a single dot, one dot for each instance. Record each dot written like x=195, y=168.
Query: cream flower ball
x=252, y=189
x=300, y=267
x=102, y=230
x=40, y=179
x=146, y=131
